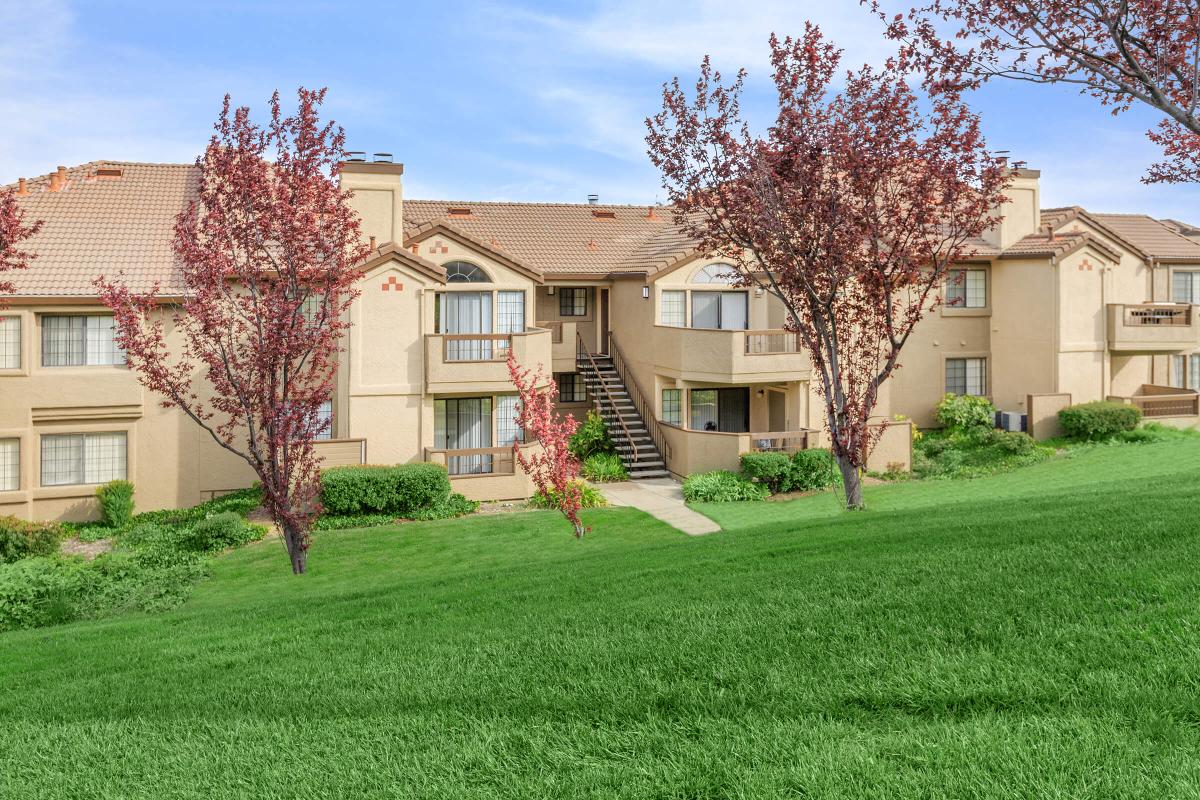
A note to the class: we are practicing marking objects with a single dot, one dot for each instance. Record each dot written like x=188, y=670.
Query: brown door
x=777, y=410
x=604, y=320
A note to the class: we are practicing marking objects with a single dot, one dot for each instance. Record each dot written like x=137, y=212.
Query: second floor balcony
x=476, y=362
x=1153, y=327
x=729, y=356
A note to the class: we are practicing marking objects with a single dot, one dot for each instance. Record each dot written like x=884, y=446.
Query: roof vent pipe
x=356, y=155
x=593, y=199
x=383, y=158
x=58, y=179
x=21, y=189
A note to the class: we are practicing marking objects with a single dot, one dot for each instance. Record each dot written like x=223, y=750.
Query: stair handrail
x=582, y=350
x=640, y=401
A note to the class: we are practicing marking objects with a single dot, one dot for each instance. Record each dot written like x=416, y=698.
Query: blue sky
x=480, y=100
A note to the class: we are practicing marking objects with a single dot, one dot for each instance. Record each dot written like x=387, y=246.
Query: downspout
x=1106, y=358
x=1056, y=355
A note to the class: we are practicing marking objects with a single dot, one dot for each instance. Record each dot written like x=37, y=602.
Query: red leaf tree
x=554, y=470
x=267, y=256
x=850, y=209
x=1119, y=51
x=13, y=231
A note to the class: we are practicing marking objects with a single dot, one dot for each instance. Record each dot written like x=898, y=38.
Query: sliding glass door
x=466, y=313
x=725, y=410
x=722, y=310
x=464, y=423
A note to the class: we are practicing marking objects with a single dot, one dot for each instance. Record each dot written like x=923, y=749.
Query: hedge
x=401, y=490
x=721, y=486
x=20, y=539
x=802, y=471
x=1098, y=420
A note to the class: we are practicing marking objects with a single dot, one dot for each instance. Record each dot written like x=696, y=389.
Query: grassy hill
x=1034, y=634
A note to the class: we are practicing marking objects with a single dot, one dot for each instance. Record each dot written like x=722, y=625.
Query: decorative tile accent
x=1085, y=264
x=439, y=247
x=392, y=283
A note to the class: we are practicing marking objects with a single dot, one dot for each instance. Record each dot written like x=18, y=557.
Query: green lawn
x=1034, y=634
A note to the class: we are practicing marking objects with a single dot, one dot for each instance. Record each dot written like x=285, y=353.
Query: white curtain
x=10, y=465
x=467, y=312
x=464, y=423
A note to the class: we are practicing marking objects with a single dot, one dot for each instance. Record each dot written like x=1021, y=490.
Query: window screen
x=507, y=429
x=966, y=288
x=74, y=458
x=10, y=465
x=325, y=419
x=510, y=312
x=673, y=308
x=10, y=342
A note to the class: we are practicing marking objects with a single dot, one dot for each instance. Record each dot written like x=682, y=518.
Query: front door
x=603, y=321
x=777, y=410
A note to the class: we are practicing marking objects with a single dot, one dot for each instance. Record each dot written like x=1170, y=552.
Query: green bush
x=803, y=471
x=721, y=486
x=591, y=437
x=456, y=505
x=964, y=411
x=1014, y=443
x=116, y=503
x=20, y=539
x=241, y=502
x=219, y=532
x=1098, y=420
x=400, y=490
x=331, y=522
x=604, y=468
x=590, y=498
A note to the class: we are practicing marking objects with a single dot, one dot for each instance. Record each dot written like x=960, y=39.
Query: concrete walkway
x=661, y=498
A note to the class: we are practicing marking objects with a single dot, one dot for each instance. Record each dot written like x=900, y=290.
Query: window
x=966, y=376
x=725, y=310
x=1185, y=371
x=672, y=406
x=76, y=341
x=464, y=272
x=725, y=410
x=507, y=429
x=464, y=423
x=462, y=313
x=717, y=273
x=1186, y=288
x=10, y=342
x=572, y=302
x=571, y=388
x=325, y=418
x=966, y=288
x=673, y=308
x=312, y=307
x=10, y=465
x=510, y=312
x=83, y=458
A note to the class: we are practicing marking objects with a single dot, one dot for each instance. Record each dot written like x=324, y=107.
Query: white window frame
x=90, y=341
x=678, y=313
x=85, y=471
x=1185, y=286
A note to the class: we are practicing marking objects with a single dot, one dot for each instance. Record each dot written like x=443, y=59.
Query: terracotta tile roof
x=1152, y=238
x=563, y=238
x=1040, y=245
x=102, y=225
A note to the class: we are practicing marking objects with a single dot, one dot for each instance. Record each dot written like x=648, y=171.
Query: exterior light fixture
x=645, y=292
x=550, y=290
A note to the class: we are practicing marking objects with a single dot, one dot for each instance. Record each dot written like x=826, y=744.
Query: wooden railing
x=340, y=452
x=772, y=342
x=476, y=346
x=784, y=441
x=1153, y=314
x=583, y=354
x=464, y=463
x=1163, y=401
x=643, y=403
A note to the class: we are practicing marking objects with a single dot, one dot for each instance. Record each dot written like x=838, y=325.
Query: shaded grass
x=1032, y=634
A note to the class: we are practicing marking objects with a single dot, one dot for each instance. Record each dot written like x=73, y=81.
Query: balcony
x=1158, y=402
x=458, y=363
x=562, y=337
x=487, y=473
x=1152, y=328
x=719, y=356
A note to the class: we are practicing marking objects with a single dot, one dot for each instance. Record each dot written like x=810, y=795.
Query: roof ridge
x=541, y=203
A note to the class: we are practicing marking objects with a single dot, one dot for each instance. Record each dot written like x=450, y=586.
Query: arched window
x=464, y=272
x=726, y=274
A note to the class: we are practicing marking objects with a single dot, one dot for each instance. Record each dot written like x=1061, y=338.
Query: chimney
x=377, y=194
x=1021, y=212
x=21, y=188
x=58, y=180
x=593, y=199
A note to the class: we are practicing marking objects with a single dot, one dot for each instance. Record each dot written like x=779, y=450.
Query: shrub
x=812, y=469
x=20, y=539
x=604, y=468
x=40, y=591
x=1015, y=443
x=1098, y=420
x=772, y=470
x=116, y=503
x=591, y=437
x=330, y=522
x=400, y=490
x=456, y=505
x=241, y=502
x=964, y=411
x=721, y=486
x=590, y=498
x=219, y=532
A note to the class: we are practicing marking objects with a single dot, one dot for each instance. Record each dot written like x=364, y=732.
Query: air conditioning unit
x=1011, y=421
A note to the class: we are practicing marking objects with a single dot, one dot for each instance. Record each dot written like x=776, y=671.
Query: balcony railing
x=1163, y=401
x=772, y=342
x=463, y=463
x=1152, y=314
x=784, y=441
x=476, y=346
x=556, y=330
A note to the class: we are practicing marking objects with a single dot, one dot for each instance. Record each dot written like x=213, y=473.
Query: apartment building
x=1054, y=306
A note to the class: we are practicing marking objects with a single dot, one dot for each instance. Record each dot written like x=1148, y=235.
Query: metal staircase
x=630, y=434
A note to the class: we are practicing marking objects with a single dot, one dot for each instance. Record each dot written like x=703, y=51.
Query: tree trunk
x=297, y=552
x=852, y=483
x=578, y=529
